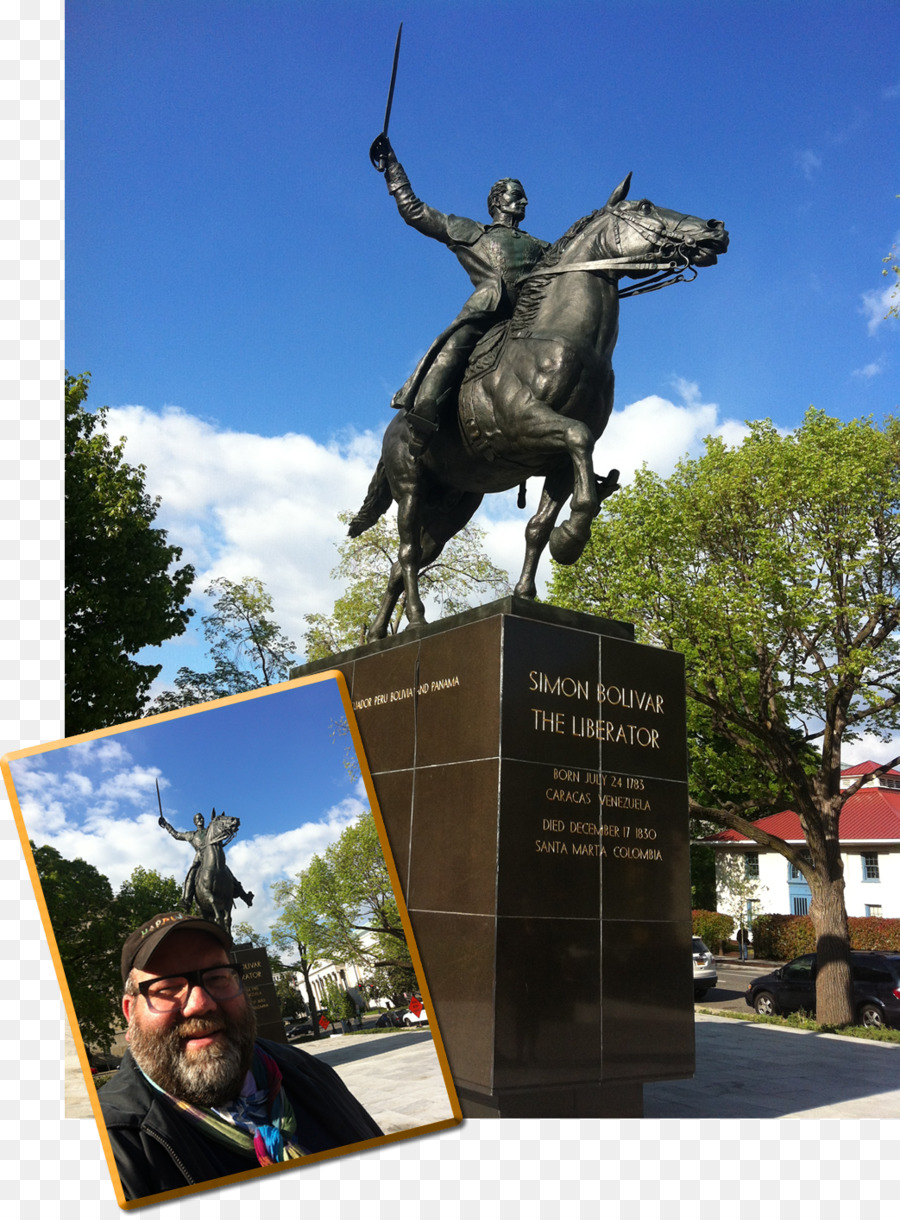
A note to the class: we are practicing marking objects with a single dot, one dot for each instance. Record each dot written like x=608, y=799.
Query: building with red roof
x=754, y=880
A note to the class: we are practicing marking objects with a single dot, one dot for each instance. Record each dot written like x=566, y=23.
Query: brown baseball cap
x=145, y=940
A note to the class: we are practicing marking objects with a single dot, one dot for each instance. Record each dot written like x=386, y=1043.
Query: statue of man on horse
x=210, y=883
x=526, y=371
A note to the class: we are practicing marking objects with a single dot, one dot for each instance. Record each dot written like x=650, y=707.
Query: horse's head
x=642, y=231
x=222, y=829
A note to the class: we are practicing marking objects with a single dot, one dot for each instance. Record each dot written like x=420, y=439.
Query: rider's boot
x=422, y=420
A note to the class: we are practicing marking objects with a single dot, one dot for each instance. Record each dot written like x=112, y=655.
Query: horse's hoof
x=567, y=544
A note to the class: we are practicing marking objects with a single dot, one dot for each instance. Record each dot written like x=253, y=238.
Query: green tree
x=289, y=997
x=121, y=594
x=342, y=906
x=146, y=893
x=247, y=647
x=81, y=908
x=461, y=571
x=391, y=982
x=774, y=567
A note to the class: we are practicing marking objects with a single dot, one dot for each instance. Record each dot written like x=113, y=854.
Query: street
x=733, y=980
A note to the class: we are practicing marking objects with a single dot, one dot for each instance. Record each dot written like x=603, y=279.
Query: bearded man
x=198, y=1096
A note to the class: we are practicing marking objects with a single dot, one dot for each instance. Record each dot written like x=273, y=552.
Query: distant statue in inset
x=209, y=882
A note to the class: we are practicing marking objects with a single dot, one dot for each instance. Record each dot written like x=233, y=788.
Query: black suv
x=876, y=988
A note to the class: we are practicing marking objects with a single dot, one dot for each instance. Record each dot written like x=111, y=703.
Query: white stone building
x=760, y=881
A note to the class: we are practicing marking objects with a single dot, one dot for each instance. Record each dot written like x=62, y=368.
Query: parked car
x=876, y=988
x=705, y=976
x=390, y=1019
x=412, y=1018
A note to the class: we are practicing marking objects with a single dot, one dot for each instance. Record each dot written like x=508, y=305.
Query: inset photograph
x=231, y=940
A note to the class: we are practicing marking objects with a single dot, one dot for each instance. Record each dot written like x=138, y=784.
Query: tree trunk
x=834, y=989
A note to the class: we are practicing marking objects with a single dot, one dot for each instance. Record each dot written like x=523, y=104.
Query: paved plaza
x=744, y=1070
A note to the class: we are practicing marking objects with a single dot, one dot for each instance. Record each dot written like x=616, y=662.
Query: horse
x=215, y=887
x=536, y=397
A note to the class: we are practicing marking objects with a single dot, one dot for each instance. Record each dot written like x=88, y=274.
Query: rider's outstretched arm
x=176, y=834
x=419, y=215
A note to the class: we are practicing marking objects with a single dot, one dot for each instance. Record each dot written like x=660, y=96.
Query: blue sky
x=270, y=760
x=247, y=298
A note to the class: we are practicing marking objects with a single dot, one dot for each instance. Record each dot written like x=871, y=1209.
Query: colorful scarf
x=262, y=1122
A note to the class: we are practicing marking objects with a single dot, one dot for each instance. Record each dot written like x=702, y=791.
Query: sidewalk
x=396, y=1075
x=748, y=1070
x=744, y=1070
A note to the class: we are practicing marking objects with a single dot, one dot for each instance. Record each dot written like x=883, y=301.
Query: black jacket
x=158, y=1149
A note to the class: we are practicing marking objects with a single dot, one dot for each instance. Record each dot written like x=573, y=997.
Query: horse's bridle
x=665, y=273
x=657, y=238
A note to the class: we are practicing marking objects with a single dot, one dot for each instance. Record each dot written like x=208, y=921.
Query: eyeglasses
x=168, y=994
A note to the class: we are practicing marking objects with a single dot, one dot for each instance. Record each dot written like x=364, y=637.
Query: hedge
x=712, y=927
x=782, y=937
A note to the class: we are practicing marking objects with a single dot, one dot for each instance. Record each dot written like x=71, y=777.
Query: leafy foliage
x=712, y=927
x=120, y=592
x=395, y=983
x=342, y=906
x=338, y=1004
x=247, y=647
x=782, y=937
x=774, y=567
x=80, y=904
x=289, y=997
x=91, y=923
x=144, y=894
x=462, y=570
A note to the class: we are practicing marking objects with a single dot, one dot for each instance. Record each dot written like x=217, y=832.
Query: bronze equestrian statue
x=209, y=882
x=538, y=388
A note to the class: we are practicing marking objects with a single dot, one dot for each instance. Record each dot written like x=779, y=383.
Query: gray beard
x=211, y=1076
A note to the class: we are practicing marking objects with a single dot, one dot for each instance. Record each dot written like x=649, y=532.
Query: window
x=751, y=864
x=870, y=866
x=794, y=873
x=803, y=968
x=801, y=906
x=873, y=910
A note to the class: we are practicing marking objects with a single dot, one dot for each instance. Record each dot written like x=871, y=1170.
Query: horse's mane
x=532, y=292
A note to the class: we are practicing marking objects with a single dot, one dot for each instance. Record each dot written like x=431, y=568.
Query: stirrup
x=420, y=423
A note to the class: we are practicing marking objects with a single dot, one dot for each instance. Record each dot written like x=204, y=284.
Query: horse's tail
x=377, y=502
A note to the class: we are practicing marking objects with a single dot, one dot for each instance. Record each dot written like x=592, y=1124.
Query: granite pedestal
x=530, y=766
x=259, y=988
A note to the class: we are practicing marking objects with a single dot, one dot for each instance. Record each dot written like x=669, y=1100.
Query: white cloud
x=870, y=748
x=869, y=370
x=808, y=162
x=87, y=821
x=875, y=305
x=246, y=505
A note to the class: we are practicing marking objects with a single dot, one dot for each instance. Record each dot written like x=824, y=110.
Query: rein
x=665, y=273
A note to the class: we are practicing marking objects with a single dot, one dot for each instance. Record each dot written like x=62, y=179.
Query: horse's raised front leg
x=537, y=532
x=545, y=431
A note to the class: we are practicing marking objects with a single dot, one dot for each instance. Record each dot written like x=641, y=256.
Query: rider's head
x=507, y=200
x=199, y=821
